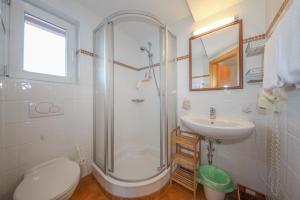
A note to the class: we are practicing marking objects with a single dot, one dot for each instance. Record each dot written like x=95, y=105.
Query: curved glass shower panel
x=171, y=89
x=99, y=98
x=103, y=96
x=134, y=95
x=136, y=110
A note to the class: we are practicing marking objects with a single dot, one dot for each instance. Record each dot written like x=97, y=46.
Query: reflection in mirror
x=216, y=59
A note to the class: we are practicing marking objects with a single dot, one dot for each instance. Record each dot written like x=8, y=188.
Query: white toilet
x=53, y=180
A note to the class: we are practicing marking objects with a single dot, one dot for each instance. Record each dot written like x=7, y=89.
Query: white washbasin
x=220, y=128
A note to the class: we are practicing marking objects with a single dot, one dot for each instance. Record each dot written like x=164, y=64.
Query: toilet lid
x=49, y=180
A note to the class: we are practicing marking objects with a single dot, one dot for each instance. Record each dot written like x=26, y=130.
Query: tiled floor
x=88, y=189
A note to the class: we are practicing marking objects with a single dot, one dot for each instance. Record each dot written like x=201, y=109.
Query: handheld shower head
x=148, y=50
x=142, y=48
x=151, y=71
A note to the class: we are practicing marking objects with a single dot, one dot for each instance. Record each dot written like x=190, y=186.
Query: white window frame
x=16, y=44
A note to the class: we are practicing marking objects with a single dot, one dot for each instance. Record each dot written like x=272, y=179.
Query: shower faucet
x=212, y=113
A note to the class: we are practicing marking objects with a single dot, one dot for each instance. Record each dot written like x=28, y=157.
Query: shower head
x=148, y=51
x=142, y=48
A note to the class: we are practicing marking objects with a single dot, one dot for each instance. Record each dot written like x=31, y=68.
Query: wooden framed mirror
x=216, y=58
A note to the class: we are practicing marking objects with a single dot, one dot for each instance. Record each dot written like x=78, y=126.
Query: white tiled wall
x=290, y=144
x=24, y=141
x=289, y=131
x=271, y=9
x=245, y=160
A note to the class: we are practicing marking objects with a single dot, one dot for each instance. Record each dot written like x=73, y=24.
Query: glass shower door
x=99, y=99
x=171, y=88
x=102, y=96
x=136, y=108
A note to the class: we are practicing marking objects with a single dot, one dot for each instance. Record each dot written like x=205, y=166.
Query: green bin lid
x=215, y=178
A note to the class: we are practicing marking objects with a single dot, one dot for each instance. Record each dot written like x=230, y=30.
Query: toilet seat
x=51, y=180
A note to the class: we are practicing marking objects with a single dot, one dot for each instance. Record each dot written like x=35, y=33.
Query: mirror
x=216, y=58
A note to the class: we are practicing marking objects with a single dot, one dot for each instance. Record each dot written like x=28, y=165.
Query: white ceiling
x=169, y=11
x=202, y=9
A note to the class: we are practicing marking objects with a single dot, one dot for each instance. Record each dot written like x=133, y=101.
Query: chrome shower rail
x=135, y=13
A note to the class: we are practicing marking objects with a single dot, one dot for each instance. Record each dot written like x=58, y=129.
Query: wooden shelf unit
x=186, y=157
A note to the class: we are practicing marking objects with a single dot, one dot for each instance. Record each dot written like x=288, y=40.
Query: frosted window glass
x=44, y=47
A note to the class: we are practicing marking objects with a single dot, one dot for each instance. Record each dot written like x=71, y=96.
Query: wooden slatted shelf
x=185, y=141
x=184, y=177
x=186, y=158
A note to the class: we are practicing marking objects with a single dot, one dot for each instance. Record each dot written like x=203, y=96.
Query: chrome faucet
x=212, y=113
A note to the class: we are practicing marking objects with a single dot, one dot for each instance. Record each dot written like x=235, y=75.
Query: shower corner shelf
x=137, y=100
x=186, y=158
x=255, y=49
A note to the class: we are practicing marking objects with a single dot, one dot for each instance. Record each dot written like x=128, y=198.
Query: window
x=43, y=44
x=42, y=39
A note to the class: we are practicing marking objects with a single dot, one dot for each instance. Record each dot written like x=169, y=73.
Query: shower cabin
x=135, y=93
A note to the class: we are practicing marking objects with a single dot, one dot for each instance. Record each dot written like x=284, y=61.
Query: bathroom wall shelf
x=255, y=75
x=255, y=48
x=185, y=159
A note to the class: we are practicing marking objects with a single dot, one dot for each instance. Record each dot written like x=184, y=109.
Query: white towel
x=271, y=79
x=282, y=53
x=289, y=45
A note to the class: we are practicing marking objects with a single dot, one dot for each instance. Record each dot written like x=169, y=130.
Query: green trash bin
x=216, y=182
